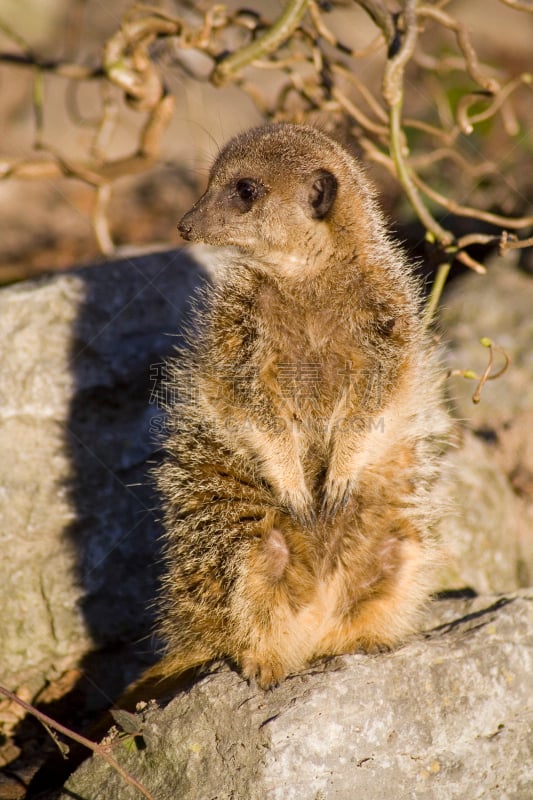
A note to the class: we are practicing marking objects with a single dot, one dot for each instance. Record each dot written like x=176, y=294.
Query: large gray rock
x=491, y=538
x=79, y=357
x=447, y=717
x=480, y=531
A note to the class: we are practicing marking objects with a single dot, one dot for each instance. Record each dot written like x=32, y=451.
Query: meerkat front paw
x=263, y=672
x=335, y=495
x=300, y=505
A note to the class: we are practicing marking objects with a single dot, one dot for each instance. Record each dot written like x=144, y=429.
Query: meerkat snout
x=185, y=227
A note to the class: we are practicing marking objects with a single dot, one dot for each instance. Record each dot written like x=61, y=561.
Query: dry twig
x=98, y=749
x=487, y=375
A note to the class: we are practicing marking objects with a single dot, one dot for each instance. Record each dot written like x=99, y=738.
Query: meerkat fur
x=299, y=478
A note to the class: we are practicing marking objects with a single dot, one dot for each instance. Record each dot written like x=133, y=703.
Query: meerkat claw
x=335, y=498
x=301, y=509
x=305, y=517
x=308, y=518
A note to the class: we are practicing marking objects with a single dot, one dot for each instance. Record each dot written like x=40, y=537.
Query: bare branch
x=381, y=16
x=379, y=111
x=467, y=123
x=441, y=277
x=476, y=397
x=156, y=124
x=328, y=36
x=100, y=220
x=519, y=6
x=448, y=137
x=127, y=61
x=99, y=749
x=357, y=114
x=107, y=124
x=476, y=171
x=508, y=242
x=486, y=376
x=394, y=70
x=64, y=69
x=467, y=211
x=393, y=94
x=470, y=262
x=298, y=49
x=463, y=40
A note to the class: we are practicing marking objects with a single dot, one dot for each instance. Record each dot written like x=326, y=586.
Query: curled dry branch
x=316, y=72
x=270, y=41
x=473, y=67
x=466, y=123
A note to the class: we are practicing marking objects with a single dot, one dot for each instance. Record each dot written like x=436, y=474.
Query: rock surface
x=494, y=477
x=480, y=532
x=447, y=717
x=79, y=357
x=444, y=717
x=497, y=305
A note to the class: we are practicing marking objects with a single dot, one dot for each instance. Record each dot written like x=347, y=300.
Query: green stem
x=402, y=171
x=436, y=291
x=38, y=112
x=273, y=38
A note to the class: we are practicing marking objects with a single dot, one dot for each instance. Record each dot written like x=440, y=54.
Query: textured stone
x=479, y=534
x=491, y=537
x=79, y=357
x=498, y=306
x=79, y=354
x=446, y=717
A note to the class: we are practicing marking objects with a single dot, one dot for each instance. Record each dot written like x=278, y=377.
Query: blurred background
x=51, y=124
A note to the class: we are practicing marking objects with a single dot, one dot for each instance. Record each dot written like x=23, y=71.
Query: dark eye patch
x=245, y=192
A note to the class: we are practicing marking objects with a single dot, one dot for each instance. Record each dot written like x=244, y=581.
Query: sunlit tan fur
x=298, y=483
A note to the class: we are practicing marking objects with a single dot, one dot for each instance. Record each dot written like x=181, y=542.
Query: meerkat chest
x=299, y=328
x=310, y=354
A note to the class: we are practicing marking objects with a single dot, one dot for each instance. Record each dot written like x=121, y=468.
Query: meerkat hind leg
x=287, y=637
x=277, y=584
x=388, y=613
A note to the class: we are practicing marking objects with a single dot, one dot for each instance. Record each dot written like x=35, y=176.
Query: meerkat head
x=285, y=194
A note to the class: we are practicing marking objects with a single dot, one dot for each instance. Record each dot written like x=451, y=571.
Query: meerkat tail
x=162, y=680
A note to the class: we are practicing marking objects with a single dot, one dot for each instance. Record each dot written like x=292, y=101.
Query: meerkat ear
x=322, y=193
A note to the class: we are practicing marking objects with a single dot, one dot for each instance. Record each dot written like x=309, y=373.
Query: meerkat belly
x=334, y=592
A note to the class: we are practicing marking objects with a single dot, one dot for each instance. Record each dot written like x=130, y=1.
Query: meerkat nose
x=185, y=227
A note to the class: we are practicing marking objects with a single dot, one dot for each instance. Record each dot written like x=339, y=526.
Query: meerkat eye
x=247, y=190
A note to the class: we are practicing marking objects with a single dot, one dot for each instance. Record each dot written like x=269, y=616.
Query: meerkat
x=298, y=482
